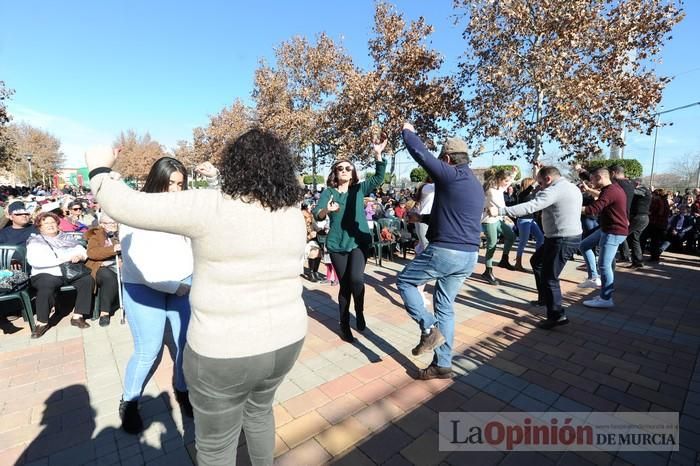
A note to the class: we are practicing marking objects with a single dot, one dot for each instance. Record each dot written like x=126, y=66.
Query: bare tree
x=687, y=169
x=137, y=155
x=223, y=127
x=44, y=148
x=570, y=72
x=6, y=142
x=294, y=97
x=405, y=83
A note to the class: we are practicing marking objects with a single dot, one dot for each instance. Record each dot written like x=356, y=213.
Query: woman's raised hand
x=206, y=169
x=101, y=156
x=379, y=147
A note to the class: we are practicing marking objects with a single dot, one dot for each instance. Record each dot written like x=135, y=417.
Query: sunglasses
x=346, y=168
x=77, y=208
x=20, y=214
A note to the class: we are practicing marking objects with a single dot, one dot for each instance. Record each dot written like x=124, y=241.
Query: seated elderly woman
x=46, y=251
x=102, y=249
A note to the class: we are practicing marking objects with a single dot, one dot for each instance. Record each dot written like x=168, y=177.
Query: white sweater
x=43, y=260
x=158, y=260
x=494, y=198
x=246, y=289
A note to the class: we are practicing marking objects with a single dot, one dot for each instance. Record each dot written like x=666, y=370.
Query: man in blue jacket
x=454, y=230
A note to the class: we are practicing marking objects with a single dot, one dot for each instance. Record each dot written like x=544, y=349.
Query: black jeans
x=547, y=263
x=47, y=285
x=109, y=293
x=350, y=267
x=657, y=234
x=637, y=225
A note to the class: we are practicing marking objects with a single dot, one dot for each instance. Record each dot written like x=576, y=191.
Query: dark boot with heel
x=490, y=277
x=345, y=332
x=360, y=321
x=130, y=416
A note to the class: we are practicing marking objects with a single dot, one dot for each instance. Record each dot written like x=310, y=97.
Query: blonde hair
x=493, y=177
x=526, y=183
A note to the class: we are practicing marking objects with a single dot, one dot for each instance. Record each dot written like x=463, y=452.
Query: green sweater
x=348, y=226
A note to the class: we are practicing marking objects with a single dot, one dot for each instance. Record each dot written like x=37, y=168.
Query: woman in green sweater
x=349, y=237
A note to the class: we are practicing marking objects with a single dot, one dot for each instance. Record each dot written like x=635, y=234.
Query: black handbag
x=70, y=271
x=73, y=271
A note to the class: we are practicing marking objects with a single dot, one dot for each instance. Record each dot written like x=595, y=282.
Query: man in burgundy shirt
x=611, y=209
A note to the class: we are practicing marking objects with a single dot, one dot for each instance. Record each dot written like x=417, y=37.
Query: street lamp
x=656, y=133
x=29, y=159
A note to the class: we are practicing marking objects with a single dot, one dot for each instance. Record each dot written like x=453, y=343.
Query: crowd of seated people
x=52, y=228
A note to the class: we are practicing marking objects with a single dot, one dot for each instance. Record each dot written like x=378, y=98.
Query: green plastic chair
x=7, y=253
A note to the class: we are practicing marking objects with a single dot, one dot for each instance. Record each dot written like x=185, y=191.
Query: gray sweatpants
x=230, y=394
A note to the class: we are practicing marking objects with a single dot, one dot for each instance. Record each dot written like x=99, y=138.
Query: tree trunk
x=392, y=167
x=538, y=133
x=313, y=165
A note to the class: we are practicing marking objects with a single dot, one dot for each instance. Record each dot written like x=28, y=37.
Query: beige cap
x=455, y=146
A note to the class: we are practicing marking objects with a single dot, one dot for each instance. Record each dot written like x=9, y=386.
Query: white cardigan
x=42, y=258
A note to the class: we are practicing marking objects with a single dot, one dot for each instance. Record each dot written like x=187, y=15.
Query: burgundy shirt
x=611, y=209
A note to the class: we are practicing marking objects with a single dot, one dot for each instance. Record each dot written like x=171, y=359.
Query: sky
x=85, y=71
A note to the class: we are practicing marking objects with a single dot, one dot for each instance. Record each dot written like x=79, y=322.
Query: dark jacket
x=455, y=219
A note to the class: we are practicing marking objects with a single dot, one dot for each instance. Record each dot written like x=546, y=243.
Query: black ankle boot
x=346, y=333
x=130, y=416
x=360, y=321
x=490, y=277
x=505, y=264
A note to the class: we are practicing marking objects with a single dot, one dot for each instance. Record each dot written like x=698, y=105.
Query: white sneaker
x=599, y=302
x=590, y=283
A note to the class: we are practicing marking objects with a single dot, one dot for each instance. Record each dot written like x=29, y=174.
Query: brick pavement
x=359, y=404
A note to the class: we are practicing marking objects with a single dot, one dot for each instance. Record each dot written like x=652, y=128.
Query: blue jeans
x=527, y=227
x=449, y=268
x=147, y=310
x=608, y=245
x=589, y=224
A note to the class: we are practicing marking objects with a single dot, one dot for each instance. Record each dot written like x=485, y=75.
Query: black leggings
x=350, y=267
x=47, y=286
x=109, y=293
x=314, y=264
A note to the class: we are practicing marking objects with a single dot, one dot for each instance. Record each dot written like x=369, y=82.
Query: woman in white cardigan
x=496, y=183
x=248, y=317
x=46, y=251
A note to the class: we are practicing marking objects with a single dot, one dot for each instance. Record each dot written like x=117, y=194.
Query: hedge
x=309, y=179
x=633, y=169
x=418, y=174
x=517, y=173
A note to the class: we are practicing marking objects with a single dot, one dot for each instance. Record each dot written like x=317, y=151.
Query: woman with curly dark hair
x=349, y=237
x=248, y=318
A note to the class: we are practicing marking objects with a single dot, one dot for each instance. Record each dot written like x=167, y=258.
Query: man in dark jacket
x=454, y=233
x=639, y=220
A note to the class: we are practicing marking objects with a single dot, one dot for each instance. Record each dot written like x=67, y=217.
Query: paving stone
x=500, y=391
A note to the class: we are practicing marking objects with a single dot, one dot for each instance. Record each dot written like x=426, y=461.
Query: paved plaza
x=359, y=404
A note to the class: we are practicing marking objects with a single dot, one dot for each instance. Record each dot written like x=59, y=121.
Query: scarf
x=60, y=241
